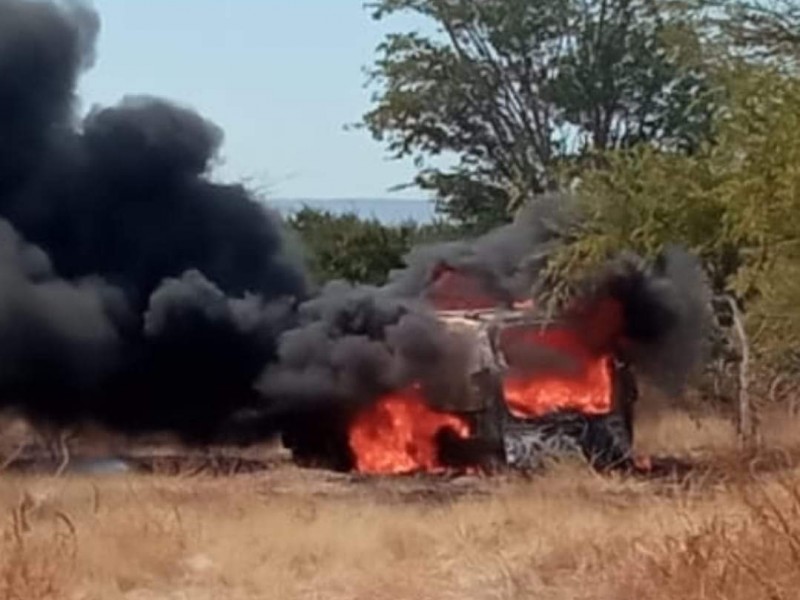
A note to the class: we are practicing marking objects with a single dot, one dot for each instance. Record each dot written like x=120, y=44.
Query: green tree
x=736, y=203
x=350, y=248
x=513, y=87
x=360, y=250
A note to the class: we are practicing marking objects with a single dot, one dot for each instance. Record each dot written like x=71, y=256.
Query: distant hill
x=386, y=210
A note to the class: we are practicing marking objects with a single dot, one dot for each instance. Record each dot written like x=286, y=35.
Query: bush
x=736, y=204
x=360, y=250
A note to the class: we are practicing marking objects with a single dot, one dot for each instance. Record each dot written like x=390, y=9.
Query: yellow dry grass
x=570, y=534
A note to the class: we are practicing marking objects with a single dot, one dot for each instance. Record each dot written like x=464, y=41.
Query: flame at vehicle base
x=398, y=434
x=401, y=433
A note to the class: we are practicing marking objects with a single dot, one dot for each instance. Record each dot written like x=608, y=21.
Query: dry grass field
x=730, y=531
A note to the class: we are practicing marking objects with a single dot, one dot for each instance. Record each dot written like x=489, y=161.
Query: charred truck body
x=531, y=390
x=518, y=416
x=530, y=386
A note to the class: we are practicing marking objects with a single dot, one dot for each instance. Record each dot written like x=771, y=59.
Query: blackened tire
x=608, y=441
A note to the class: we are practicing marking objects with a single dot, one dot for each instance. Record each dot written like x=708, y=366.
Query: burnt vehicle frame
x=499, y=439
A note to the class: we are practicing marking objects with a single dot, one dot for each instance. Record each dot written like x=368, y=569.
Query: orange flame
x=586, y=387
x=397, y=434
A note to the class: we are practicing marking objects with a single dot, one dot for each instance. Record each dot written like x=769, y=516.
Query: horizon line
x=344, y=198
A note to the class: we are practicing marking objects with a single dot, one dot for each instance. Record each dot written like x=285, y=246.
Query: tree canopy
x=674, y=120
x=345, y=246
x=514, y=88
x=736, y=203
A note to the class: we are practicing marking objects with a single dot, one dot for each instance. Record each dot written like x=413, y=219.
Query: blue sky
x=281, y=77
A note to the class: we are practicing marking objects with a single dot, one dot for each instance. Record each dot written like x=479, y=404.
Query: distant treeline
x=347, y=246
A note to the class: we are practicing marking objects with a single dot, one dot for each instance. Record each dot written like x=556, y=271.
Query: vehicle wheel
x=607, y=442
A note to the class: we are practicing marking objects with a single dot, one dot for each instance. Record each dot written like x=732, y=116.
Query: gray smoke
x=507, y=260
x=356, y=343
x=666, y=315
x=136, y=291
x=56, y=335
x=670, y=331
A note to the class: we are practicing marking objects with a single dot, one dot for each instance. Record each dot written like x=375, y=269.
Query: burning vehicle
x=142, y=294
x=531, y=387
x=507, y=414
x=569, y=402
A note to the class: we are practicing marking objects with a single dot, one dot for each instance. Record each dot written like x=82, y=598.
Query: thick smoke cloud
x=57, y=337
x=507, y=260
x=42, y=51
x=127, y=199
x=667, y=315
x=135, y=290
x=351, y=346
x=123, y=195
x=354, y=344
x=657, y=315
x=195, y=359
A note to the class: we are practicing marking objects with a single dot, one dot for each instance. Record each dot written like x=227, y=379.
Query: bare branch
x=11, y=458
x=745, y=417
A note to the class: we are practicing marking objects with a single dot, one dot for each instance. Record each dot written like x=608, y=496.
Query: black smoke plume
x=655, y=315
x=667, y=315
x=57, y=338
x=135, y=290
x=352, y=345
